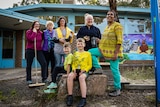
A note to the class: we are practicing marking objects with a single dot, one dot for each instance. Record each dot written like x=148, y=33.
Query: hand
x=87, y=38
x=97, y=40
x=35, y=30
x=62, y=40
x=115, y=57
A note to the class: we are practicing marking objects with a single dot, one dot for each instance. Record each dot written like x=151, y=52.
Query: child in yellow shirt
x=82, y=63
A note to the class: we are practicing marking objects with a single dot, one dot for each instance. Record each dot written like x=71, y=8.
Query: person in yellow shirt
x=61, y=69
x=110, y=47
x=82, y=63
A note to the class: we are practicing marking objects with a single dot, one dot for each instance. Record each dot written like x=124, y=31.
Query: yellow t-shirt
x=68, y=60
x=82, y=60
x=111, y=36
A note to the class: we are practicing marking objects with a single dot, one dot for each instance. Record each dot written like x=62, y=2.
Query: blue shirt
x=92, y=32
x=47, y=37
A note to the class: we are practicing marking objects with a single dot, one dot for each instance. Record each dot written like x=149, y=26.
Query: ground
x=15, y=93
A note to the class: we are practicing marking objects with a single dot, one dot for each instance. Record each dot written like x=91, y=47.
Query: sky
x=8, y=3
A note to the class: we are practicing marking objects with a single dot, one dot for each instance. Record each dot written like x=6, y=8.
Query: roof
x=78, y=8
x=17, y=21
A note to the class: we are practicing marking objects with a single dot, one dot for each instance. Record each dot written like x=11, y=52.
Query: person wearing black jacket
x=90, y=33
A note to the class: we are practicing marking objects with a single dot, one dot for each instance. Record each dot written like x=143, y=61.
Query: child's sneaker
x=52, y=85
x=49, y=91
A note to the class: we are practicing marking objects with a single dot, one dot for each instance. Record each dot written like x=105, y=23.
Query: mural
x=138, y=47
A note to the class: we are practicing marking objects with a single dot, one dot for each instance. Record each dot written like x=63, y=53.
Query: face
x=50, y=26
x=80, y=45
x=110, y=16
x=89, y=21
x=62, y=22
x=67, y=50
x=37, y=25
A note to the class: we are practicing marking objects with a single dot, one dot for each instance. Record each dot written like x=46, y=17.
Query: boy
x=61, y=69
x=82, y=63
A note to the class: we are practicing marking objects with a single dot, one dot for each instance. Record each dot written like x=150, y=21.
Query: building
x=15, y=21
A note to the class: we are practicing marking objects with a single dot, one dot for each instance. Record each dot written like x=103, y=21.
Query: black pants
x=49, y=56
x=41, y=59
x=56, y=71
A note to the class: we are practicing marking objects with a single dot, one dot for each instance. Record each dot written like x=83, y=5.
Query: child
x=61, y=69
x=82, y=63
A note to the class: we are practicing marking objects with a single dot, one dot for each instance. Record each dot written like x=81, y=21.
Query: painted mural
x=138, y=47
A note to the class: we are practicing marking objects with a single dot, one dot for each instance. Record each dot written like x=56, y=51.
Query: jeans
x=59, y=59
x=114, y=66
x=30, y=54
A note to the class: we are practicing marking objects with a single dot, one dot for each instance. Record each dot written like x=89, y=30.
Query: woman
x=31, y=35
x=90, y=33
x=63, y=34
x=48, y=45
x=110, y=47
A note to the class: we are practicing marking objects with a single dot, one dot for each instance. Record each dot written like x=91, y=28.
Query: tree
x=113, y=6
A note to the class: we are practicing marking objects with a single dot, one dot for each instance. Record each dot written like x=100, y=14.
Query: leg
x=83, y=87
x=57, y=59
x=114, y=66
x=95, y=52
x=52, y=58
x=42, y=61
x=70, y=80
x=29, y=58
x=47, y=58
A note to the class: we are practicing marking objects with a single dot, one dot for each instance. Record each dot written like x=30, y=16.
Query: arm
x=30, y=35
x=68, y=68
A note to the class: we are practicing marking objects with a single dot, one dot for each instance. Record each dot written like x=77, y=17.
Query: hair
x=62, y=17
x=49, y=22
x=80, y=40
x=67, y=44
x=33, y=24
x=88, y=15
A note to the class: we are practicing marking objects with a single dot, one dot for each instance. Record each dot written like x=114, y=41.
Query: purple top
x=30, y=35
x=48, y=36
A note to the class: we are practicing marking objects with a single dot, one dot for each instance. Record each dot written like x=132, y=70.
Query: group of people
x=55, y=46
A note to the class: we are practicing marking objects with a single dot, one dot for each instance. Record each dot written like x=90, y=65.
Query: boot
x=82, y=103
x=69, y=101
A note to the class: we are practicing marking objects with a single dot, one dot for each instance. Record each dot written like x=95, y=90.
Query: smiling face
x=110, y=17
x=80, y=45
x=67, y=50
x=37, y=25
x=89, y=20
x=62, y=22
x=50, y=26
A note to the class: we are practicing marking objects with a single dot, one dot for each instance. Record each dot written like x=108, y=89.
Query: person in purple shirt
x=48, y=45
x=31, y=34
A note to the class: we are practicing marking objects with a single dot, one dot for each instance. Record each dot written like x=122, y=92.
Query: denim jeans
x=30, y=54
x=59, y=59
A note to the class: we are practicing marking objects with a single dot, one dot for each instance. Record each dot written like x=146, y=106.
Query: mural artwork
x=138, y=47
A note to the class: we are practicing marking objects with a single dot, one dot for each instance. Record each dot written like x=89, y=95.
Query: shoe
x=52, y=85
x=69, y=101
x=98, y=71
x=82, y=103
x=115, y=93
x=49, y=91
x=29, y=82
x=45, y=81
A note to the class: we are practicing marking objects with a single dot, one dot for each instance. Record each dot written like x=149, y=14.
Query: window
x=7, y=49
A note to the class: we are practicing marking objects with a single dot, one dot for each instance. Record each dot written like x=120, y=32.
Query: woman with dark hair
x=31, y=35
x=63, y=34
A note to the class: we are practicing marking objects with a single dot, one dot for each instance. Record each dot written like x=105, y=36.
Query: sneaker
x=82, y=103
x=115, y=93
x=69, y=101
x=29, y=82
x=98, y=71
x=52, y=85
x=50, y=91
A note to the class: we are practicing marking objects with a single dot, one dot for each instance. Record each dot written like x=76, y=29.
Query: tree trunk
x=113, y=6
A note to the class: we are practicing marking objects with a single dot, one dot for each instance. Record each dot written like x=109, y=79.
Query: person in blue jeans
x=110, y=47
